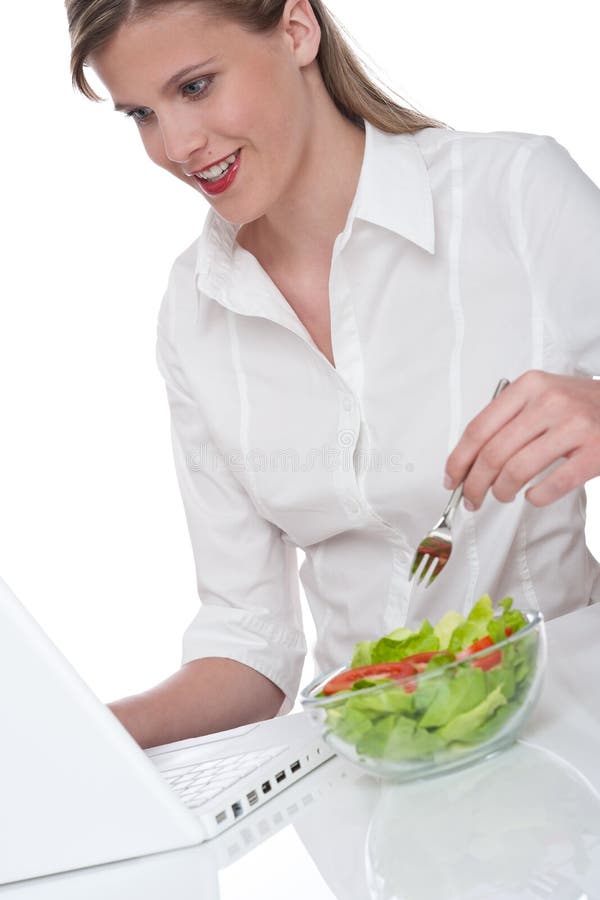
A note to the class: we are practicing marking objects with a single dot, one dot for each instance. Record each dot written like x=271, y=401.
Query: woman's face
x=244, y=94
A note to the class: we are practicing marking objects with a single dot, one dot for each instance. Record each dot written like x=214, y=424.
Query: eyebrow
x=119, y=107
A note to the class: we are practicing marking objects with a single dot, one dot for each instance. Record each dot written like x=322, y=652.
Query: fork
x=437, y=544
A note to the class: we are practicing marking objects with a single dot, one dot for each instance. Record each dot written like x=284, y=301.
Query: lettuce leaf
x=464, y=725
x=362, y=654
x=363, y=651
x=456, y=696
x=447, y=624
x=374, y=741
x=475, y=626
x=511, y=619
x=389, y=650
x=388, y=701
x=407, y=740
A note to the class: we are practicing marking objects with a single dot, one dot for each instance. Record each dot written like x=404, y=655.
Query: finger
x=498, y=453
x=575, y=471
x=553, y=445
x=482, y=428
x=572, y=439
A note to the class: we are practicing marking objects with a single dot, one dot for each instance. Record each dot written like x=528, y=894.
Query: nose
x=182, y=138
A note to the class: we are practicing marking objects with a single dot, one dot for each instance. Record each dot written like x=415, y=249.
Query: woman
x=364, y=277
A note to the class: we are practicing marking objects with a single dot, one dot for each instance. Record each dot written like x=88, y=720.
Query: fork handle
x=448, y=514
x=457, y=493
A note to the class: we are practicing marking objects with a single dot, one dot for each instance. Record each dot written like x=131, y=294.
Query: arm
x=242, y=654
x=204, y=696
x=545, y=418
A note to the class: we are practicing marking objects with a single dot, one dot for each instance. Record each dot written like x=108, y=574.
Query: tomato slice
x=489, y=661
x=345, y=680
x=413, y=665
x=419, y=661
x=486, y=662
x=422, y=657
x=482, y=644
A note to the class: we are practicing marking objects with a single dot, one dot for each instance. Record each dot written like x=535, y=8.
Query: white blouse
x=465, y=257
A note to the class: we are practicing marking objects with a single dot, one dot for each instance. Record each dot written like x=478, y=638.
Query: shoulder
x=498, y=169
x=479, y=144
x=488, y=155
x=184, y=266
x=180, y=295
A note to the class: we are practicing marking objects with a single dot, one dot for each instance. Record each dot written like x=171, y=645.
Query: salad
x=444, y=684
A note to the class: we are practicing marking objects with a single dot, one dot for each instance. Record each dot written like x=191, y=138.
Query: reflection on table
x=522, y=824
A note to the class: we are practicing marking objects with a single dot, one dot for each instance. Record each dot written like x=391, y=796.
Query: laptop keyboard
x=199, y=783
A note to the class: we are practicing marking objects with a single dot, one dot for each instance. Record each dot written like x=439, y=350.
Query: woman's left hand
x=535, y=421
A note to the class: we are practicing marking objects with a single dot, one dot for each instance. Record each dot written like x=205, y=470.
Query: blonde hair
x=92, y=23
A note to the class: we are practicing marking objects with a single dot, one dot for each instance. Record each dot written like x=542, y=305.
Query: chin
x=235, y=215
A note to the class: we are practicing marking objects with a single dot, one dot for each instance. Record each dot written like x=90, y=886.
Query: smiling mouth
x=218, y=169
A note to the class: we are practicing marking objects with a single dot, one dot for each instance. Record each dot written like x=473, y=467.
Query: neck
x=306, y=221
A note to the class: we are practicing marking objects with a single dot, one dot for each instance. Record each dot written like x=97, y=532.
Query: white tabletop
x=524, y=824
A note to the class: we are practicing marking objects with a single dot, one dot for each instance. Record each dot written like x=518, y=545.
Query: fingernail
x=468, y=505
x=448, y=482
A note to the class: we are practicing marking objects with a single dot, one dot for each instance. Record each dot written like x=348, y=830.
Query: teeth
x=218, y=169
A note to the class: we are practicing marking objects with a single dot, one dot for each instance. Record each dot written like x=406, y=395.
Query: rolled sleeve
x=560, y=218
x=247, y=574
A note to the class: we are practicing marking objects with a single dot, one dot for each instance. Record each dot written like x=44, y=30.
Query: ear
x=301, y=30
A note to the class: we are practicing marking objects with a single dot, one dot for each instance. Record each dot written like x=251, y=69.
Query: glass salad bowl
x=436, y=710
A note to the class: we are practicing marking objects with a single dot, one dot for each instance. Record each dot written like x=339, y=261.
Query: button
x=353, y=507
x=348, y=403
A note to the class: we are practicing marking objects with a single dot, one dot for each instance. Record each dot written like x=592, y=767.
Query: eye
x=205, y=83
x=199, y=87
x=133, y=114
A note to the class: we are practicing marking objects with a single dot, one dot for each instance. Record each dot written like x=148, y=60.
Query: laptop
x=77, y=790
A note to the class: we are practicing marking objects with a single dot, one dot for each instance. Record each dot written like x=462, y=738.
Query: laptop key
x=198, y=783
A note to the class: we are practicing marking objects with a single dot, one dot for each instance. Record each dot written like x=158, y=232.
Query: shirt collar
x=393, y=192
x=393, y=188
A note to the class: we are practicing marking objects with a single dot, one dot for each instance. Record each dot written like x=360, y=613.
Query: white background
x=93, y=537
